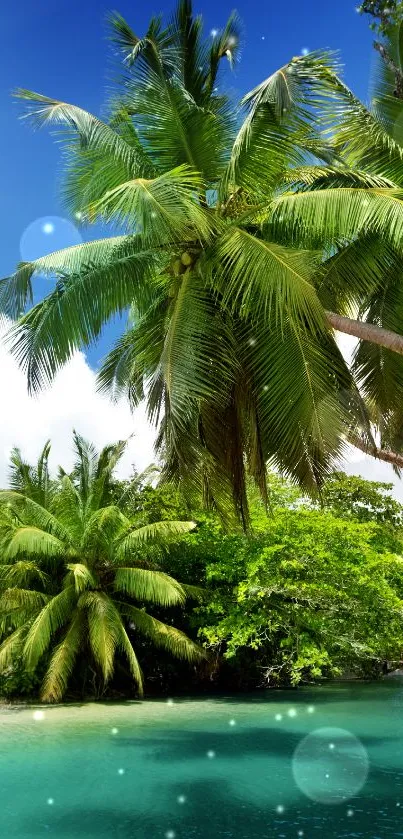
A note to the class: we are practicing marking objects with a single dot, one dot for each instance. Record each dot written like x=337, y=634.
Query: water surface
x=222, y=767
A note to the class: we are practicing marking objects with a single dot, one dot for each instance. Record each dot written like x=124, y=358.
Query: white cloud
x=347, y=345
x=71, y=402
x=357, y=463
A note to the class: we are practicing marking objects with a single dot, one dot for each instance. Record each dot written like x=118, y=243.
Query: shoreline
x=22, y=704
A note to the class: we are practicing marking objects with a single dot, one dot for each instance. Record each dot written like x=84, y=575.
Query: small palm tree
x=72, y=574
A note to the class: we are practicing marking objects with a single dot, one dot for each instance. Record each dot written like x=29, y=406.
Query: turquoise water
x=223, y=768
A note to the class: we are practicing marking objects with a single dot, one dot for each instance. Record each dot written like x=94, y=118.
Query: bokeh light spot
x=47, y=234
x=346, y=765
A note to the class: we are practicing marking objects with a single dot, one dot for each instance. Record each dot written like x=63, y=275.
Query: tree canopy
x=241, y=238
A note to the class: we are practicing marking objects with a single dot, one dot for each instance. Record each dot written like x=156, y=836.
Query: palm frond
x=51, y=618
x=22, y=573
x=94, y=134
x=161, y=209
x=226, y=44
x=63, y=659
x=82, y=576
x=157, y=531
x=363, y=140
x=105, y=628
x=189, y=371
x=27, y=511
x=325, y=217
x=301, y=410
x=125, y=646
x=80, y=305
x=347, y=280
x=162, y=635
x=70, y=509
x=176, y=130
x=22, y=601
x=76, y=261
x=149, y=585
x=262, y=277
x=103, y=527
x=153, y=53
x=33, y=542
x=187, y=33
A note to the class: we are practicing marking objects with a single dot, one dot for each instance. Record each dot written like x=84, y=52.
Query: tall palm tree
x=227, y=337
x=72, y=573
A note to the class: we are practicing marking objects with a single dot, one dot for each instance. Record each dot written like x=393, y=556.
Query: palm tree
x=70, y=574
x=220, y=266
x=227, y=337
x=354, y=210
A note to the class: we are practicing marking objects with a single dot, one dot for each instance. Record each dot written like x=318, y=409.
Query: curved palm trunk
x=367, y=332
x=386, y=455
x=384, y=338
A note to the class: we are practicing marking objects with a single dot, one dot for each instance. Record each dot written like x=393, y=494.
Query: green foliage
x=84, y=563
x=311, y=592
x=311, y=595
x=17, y=682
x=366, y=501
x=385, y=15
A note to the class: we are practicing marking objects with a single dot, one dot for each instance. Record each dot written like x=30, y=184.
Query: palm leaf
x=93, y=134
x=51, y=618
x=22, y=602
x=162, y=635
x=102, y=528
x=104, y=628
x=155, y=532
x=31, y=541
x=62, y=662
x=125, y=646
x=27, y=510
x=162, y=208
x=80, y=305
x=259, y=276
x=22, y=573
x=327, y=216
x=92, y=260
x=82, y=576
x=152, y=586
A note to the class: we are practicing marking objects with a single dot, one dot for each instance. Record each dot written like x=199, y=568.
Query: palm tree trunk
x=367, y=332
x=384, y=338
x=381, y=454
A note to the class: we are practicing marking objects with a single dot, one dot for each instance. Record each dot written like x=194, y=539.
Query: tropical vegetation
x=311, y=592
x=71, y=566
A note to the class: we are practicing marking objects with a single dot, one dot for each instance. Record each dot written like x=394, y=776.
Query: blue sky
x=61, y=50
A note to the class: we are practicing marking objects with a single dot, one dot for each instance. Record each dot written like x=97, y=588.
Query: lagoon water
x=322, y=762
